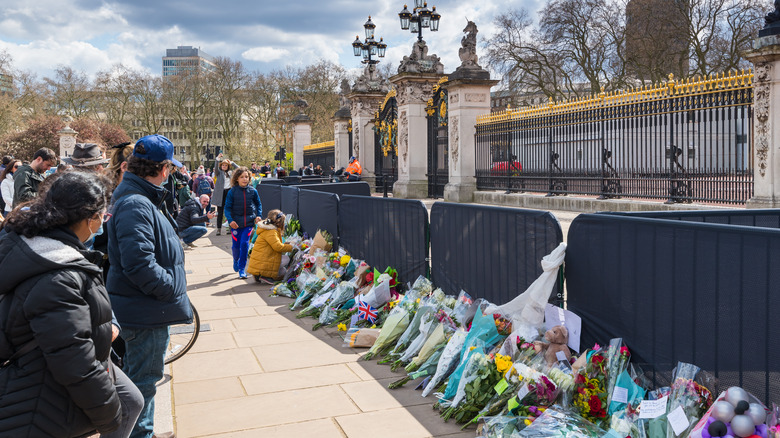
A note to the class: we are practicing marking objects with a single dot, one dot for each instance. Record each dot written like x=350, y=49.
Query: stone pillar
x=413, y=90
x=341, y=137
x=301, y=137
x=67, y=139
x=417, y=75
x=766, y=122
x=363, y=107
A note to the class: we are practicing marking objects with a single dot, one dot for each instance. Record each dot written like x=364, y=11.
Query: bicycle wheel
x=182, y=337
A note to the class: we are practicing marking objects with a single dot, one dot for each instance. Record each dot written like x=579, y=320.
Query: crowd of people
x=92, y=249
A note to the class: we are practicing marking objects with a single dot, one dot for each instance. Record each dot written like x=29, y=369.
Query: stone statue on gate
x=469, y=68
x=468, y=49
x=343, y=100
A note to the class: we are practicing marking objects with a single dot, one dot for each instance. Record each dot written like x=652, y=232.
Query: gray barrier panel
x=359, y=188
x=490, y=252
x=270, y=196
x=680, y=291
x=290, y=200
x=386, y=232
x=750, y=218
x=319, y=211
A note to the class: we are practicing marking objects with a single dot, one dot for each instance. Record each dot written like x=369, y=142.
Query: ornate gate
x=438, y=141
x=386, y=142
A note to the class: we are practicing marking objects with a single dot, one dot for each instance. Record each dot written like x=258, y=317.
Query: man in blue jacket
x=146, y=283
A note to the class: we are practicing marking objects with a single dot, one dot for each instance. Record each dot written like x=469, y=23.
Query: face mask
x=96, y=233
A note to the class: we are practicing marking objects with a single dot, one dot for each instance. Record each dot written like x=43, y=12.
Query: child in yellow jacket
x=266, y=262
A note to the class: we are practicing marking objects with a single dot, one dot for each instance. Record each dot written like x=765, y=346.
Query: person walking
x=57, y=319
x=28, y=177
x=225, y=170
x=242, y=211
x=147, y=282
x=190, y=220
x=268, y=258
x=7, y=184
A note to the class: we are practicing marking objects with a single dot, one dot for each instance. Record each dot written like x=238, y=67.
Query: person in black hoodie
x=55, y=320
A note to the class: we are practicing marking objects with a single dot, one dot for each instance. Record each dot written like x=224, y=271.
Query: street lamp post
x=420, y=17
x=370, y=47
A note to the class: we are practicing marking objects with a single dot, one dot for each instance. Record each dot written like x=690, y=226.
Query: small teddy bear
x=557, y=338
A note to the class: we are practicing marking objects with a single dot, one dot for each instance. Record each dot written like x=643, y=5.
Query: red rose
x=597, y=359
x=595, y=404
x=580, y=379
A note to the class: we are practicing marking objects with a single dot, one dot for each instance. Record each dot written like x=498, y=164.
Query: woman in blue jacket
x=242, y=211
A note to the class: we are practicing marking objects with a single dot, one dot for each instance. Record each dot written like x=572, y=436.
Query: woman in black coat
x=55, y=320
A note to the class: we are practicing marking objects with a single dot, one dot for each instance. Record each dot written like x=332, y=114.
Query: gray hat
x=86, y=155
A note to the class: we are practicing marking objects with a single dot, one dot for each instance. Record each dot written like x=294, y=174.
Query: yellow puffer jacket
x=267, y=252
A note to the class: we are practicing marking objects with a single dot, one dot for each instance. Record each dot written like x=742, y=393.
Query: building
x=6, y=84
x=186, y=59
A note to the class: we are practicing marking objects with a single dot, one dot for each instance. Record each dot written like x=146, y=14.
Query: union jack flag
x=366, y=312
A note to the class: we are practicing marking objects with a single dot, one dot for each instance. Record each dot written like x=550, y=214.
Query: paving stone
x=212, y=303
x=317, y=428
x=272, y=336
x=207, y=390
x=211, y=341
x=215, y=364
x=390, y=423
x=221, y=325
x=370, y=370
x=262, y=322
x=374, y=395
x=298, y=379
x=287, y=356
x=264, y=410
x=247, y=299
x=208, y=315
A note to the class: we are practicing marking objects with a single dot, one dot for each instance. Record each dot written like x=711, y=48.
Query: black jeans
x=221, y=210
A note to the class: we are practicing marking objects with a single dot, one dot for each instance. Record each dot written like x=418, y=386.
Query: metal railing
x=681, y=142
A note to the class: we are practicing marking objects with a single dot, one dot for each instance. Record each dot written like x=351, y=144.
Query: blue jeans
x=144, y=357
x=193, y=233
x=241, y=245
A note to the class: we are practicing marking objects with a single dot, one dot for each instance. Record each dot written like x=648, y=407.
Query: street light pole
x=370, y=46
x=420, y=17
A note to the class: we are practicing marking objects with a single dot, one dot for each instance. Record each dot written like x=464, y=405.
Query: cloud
x=265, y=54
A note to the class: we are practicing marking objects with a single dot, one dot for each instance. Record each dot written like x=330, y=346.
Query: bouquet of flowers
x=688, y=395
x=283, y=290
x=474, y=388
x=554, y=423
x=483, y=333
x=617, y=362
x=292, y=226
x=427, y=305
x=449, y=360
x=505, y=389
x=427, y=326
x=590, y=387
x=314, y=290
x=437, y=339
x=425, y=370
x=394, y=326
x=342, y=294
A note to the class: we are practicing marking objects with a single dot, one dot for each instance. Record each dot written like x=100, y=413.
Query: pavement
x=261, y=372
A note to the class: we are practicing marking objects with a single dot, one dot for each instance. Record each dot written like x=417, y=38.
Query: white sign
x=320, y=300
x=620, y=395
x=678, y=420
x=554, y=315
x=653, y=408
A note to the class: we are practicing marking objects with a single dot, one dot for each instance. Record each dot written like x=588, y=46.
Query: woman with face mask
x=55, y=315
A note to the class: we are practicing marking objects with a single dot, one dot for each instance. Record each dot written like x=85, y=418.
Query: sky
x=93, y=35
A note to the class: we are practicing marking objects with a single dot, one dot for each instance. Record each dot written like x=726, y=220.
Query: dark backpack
x=204, y=188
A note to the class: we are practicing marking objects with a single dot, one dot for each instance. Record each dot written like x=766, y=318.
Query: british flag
x=366, y=312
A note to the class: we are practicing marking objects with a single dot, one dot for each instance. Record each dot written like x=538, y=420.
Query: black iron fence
x=320, y=154
x=680, y=142
x=386, y=143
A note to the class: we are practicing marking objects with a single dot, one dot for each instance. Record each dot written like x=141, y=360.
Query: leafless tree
x=70, y=92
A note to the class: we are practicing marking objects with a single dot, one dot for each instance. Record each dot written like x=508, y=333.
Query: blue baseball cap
x=155, y=147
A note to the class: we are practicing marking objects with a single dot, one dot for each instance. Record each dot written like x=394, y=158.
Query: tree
x=228, y=96
x=263, y=127
x=70, y=92
x=149, y=110
x=114, y=97
x=187, y=98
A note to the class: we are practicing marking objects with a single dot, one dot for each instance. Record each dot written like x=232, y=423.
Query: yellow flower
x=472, y=347
x=393, y=303
x=527, y=422
x=342, y=327
x=503, y=363
x=373, y=326
x=418, y=301
x=345, y=260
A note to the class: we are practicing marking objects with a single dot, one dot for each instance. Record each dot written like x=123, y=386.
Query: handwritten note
x=653, y=408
